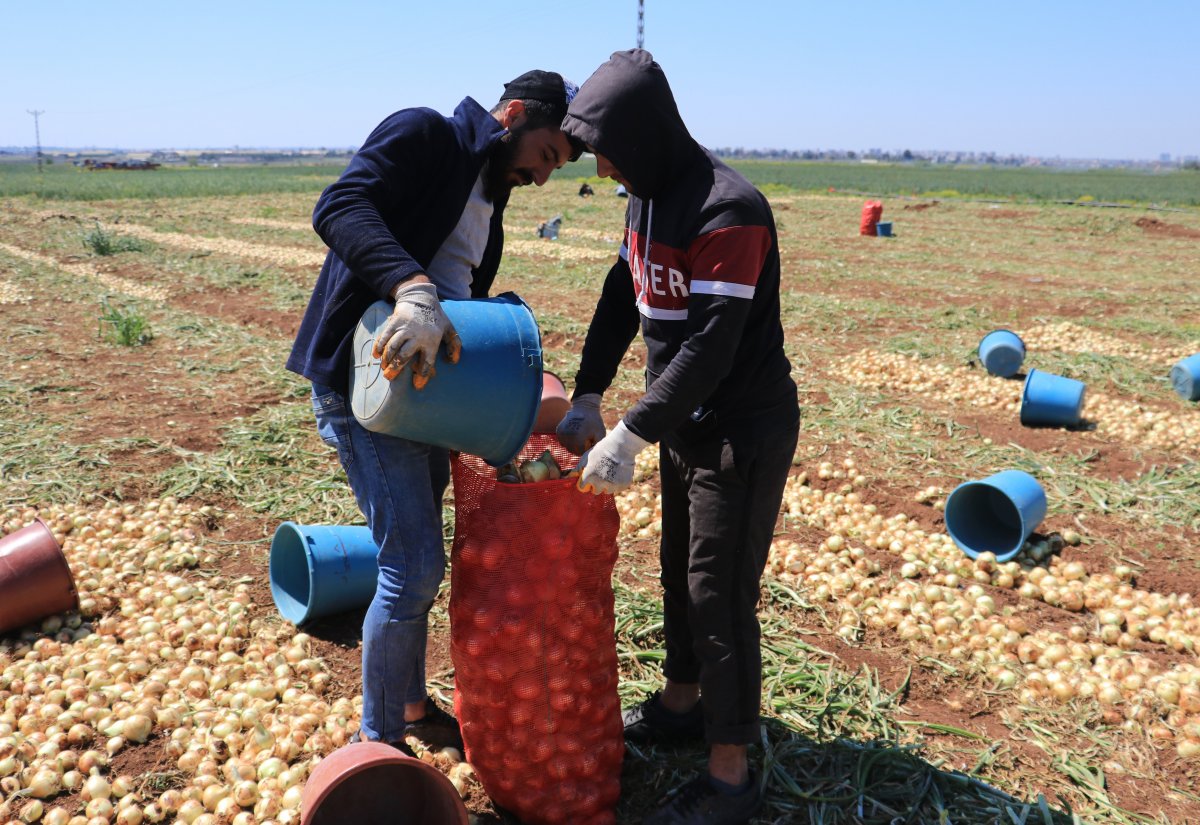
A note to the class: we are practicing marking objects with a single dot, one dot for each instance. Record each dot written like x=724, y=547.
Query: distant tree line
x=941, y=157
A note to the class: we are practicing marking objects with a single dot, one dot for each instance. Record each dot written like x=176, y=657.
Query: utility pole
x=641, y=22
x=37, y=134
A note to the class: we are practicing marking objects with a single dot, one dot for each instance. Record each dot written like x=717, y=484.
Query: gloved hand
x=608, y=467
x=413, y=332
x=582, y=426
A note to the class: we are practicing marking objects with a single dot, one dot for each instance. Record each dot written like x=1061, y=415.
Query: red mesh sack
x=531, y=638
x=871, y=213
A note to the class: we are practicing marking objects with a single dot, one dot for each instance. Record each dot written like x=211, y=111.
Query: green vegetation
x=106, y=243
x=1181, y=188
x=61, y=183
x=955, y=181
x=1099, y=185
x=124, y=327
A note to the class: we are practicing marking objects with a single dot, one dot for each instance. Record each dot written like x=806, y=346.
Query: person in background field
x=699, y=274
x=416, y=217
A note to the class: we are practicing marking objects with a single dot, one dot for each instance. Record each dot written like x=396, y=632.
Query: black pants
x=720, y=500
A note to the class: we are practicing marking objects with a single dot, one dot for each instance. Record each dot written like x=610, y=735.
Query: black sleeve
x=725, y=267
x=614, y=324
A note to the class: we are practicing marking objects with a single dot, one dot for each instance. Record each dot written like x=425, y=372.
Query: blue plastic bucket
x=996, y=514
x=318, y=570
x=1185, y=377
x=484, y=405
x=1002, y=352
x=1051, y=400
x=883, y=229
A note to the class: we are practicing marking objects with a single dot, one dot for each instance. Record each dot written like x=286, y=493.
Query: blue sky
x=1071, y=79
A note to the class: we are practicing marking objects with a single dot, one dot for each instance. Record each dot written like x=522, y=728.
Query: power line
x=641, y=22
x=37, y=132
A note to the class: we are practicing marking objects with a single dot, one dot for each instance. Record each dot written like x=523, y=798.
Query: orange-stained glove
x=414, y=332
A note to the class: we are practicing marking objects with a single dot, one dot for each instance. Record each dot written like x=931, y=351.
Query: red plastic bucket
x=370, y=782
x=35, y=580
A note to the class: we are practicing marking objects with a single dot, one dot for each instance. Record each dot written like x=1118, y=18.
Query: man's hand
x=608, y=467
x=414, y=331
x=582, y=426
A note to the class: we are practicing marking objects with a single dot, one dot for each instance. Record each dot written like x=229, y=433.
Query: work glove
x=608, y=467
x=414, y=331
x=582, y=426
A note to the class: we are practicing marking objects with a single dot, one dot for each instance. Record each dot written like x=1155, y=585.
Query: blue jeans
x=398, y=485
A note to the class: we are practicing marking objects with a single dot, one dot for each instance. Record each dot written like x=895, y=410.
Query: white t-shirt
x=462, y=251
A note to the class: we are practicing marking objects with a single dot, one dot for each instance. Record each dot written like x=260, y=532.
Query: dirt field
x=165, y=468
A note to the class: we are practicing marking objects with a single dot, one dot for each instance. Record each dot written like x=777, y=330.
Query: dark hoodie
x=698, y=270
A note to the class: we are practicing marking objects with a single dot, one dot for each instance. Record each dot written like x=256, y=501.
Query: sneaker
x=699, y=803
x=649, y=721
x=400, y=746
x=436, y=729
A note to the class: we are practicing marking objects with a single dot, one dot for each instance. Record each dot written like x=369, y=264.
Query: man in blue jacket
x=698, y=274
x=416, y=217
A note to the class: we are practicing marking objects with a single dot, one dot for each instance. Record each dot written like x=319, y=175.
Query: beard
x=498, y=173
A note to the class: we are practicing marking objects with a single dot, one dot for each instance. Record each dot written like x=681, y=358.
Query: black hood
x=626, y=112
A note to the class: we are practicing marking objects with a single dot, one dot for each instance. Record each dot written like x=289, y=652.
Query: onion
x=189, y=811
x=99, y=807
x=137, y=728
x=245, y=793
x=57, y=816
x=95, y=787
x=130, y=815
x=31, y=811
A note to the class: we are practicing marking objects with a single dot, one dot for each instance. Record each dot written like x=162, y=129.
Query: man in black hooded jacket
x=699, y=274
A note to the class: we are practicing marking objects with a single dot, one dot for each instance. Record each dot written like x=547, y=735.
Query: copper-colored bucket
x=370, y=782
x=35, y=580
x=554, y=406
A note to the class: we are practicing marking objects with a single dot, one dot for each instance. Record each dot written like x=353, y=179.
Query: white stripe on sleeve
x=722, y=288
x=662, y=314
x=623, y=252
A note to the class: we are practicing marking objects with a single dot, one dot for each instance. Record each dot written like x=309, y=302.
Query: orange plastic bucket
x=554, y=405
x=373, y=782
x=35, y=580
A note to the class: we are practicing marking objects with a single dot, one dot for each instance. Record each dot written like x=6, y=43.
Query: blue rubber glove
x=608, y=467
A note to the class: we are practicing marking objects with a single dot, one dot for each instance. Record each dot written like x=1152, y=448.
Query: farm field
x=149, y=421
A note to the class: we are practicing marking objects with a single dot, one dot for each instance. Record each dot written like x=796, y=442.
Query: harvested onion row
x=938, y=598
x=1065, y=336
x=162, y=657
x=1129, y=421
x=10, y=293
x=640, y=507
x=888, y=371
x=89, y=273
x=561, y=251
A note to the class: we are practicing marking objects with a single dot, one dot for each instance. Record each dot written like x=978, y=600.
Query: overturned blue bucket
x=1051, y=400
x=1185, y=378
x=996, y=514
x=484, y=405
x=883, y=229
x=318, y=570
x=1002, y=352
